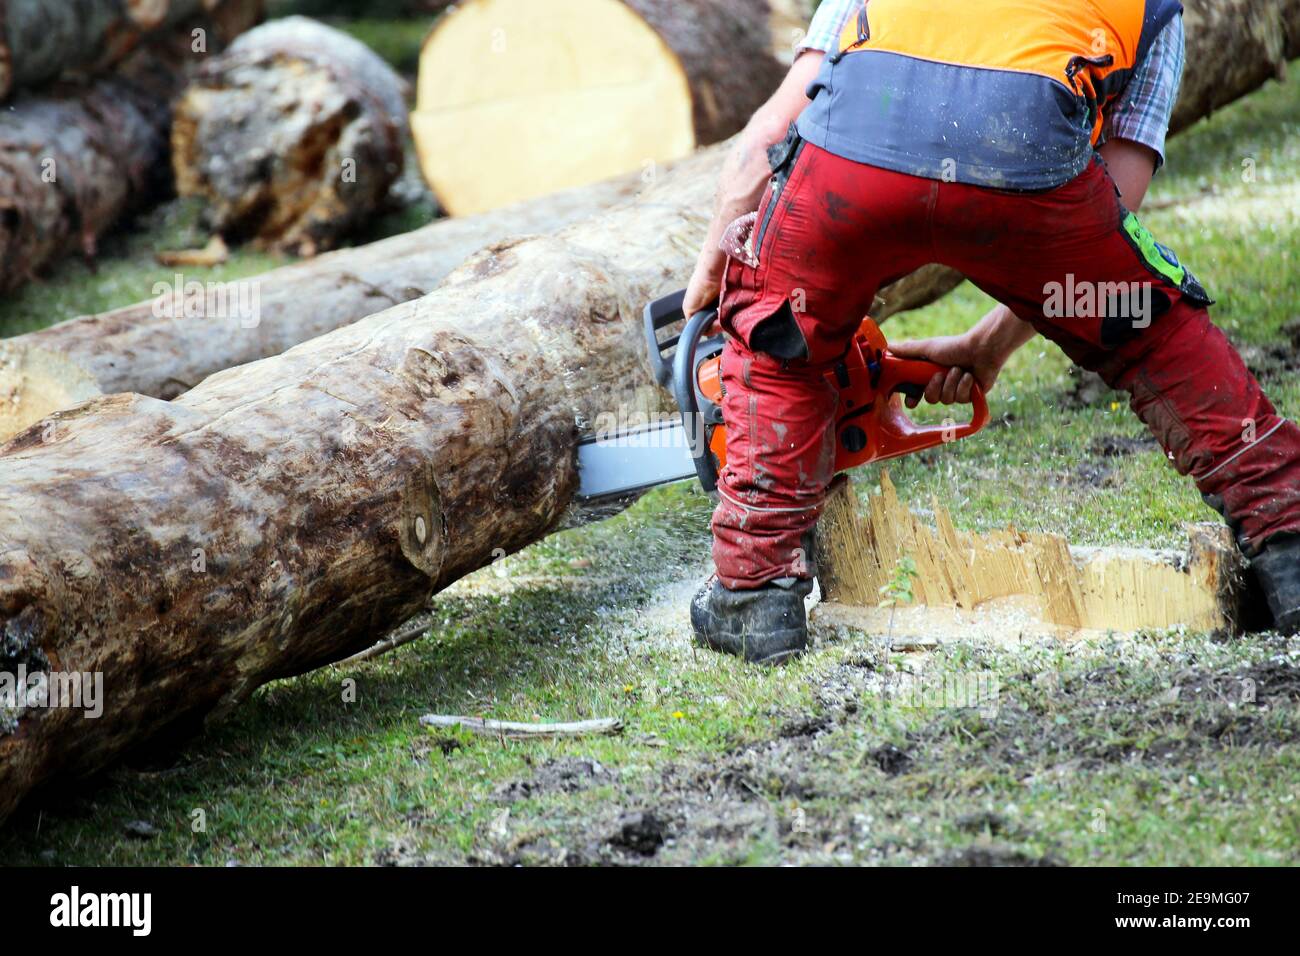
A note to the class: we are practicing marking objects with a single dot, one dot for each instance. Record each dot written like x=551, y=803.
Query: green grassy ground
x=1166, y=749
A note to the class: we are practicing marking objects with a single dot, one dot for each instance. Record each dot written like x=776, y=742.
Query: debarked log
x=168, y=344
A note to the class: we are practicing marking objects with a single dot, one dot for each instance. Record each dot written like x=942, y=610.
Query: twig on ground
x=506, y=728
x=406, y=635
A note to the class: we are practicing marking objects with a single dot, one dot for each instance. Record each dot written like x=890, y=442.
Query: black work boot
x=1278, y=569
x=767, y=625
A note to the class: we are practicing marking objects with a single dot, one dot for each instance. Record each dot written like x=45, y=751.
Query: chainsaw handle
x=910, y=377
x=684, y=390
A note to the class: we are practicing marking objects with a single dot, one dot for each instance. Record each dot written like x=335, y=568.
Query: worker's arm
x=745, y=174
x=979, y=354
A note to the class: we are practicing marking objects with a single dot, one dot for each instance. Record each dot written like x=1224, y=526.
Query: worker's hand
x=706, y=282
x=970, y=362
x=968, y=366
x=974, y=357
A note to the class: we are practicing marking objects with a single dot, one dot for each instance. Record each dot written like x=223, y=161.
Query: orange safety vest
x=1009, y=93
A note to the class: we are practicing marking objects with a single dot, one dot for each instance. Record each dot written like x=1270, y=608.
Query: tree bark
x=293, y=136
x=42, y=40
x=75, y=159
x=163, y=347
x=517, y=99
x=279, y=515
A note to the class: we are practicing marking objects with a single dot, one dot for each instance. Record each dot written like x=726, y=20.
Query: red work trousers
x=837, y=231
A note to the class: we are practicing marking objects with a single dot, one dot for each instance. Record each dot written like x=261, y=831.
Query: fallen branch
x=405, y=635
x=505, y=728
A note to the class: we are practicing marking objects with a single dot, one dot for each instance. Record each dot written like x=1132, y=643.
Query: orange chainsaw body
x=871, y=423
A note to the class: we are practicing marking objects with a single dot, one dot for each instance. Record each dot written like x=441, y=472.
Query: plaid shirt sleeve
x=827, y=25
x=1142, y=112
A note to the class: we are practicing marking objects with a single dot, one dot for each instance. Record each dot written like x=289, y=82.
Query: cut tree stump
x=1014, y=584
x=518, y=98
x=293, y=136
x=75, y=158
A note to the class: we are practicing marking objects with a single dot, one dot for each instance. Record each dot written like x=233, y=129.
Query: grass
x=1167, y=749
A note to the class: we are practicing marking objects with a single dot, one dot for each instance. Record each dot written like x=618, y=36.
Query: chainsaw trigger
x=911, y=390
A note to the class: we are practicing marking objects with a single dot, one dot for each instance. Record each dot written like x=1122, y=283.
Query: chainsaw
x=870, y=421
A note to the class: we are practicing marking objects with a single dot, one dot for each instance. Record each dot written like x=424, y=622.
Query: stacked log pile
x=76, y=157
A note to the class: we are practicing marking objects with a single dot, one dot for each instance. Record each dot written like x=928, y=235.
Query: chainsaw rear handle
x=684, y=375
x=910, y=377
x=657, y=315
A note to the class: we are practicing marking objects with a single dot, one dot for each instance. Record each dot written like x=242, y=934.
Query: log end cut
x=35, y=383
x=517, y=99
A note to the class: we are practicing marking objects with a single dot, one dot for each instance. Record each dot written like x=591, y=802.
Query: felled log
x=170, y=343
x=293, y=136
x=1013, y=584
x=277, y=516
x=1233, y=46
x=41, y=40
x=72, y=162
x=76, y=158
x=517, y=98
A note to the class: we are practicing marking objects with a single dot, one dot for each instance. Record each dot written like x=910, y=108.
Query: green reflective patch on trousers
x=1153, y=252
